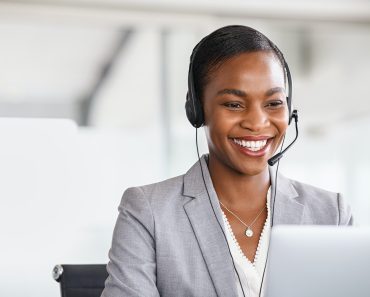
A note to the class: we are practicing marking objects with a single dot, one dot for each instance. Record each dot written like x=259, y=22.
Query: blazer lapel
x=207, y=224
x=287, y=209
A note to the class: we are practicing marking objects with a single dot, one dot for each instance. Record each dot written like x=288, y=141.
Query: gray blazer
x=167, y=241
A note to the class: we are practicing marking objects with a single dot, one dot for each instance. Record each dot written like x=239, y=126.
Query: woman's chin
x=251, y=168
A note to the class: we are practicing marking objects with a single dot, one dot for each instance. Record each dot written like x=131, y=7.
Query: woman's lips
x=252, y=146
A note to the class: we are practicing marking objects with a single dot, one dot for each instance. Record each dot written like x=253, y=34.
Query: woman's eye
x=233, y=105
x=275, y=104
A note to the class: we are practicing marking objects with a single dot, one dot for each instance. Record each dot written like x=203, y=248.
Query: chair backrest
x=81, y=280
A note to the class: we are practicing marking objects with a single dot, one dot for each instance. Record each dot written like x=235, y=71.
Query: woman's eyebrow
x=275, y=90
x=243, y=94
x=235, y=92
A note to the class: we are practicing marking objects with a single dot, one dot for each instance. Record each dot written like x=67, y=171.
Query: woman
x=206, y=233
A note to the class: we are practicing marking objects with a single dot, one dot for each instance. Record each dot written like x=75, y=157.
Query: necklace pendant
x=249, y=232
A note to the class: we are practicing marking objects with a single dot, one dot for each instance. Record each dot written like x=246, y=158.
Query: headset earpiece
x=295, y=115
x=194, y=111
x=193, y=106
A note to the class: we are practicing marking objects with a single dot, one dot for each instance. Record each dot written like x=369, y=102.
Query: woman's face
x=246, y=113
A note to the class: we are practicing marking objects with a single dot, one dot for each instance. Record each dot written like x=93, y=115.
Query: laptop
x=318, y=261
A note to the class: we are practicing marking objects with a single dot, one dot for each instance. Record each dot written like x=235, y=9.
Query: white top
x=250, y=273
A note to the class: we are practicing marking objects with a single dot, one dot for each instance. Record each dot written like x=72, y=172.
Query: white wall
x=60, y=189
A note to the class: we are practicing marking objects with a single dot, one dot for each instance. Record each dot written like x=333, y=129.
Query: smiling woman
x=206, y=233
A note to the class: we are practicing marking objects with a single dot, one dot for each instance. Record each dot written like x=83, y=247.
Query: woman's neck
x=236, y=189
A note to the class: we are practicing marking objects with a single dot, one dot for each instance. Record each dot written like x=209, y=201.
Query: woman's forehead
x=262, y=68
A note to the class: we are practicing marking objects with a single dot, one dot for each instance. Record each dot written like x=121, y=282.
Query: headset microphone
x=278, y=156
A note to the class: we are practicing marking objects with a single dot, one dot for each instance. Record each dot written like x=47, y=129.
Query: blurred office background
x=92, y=97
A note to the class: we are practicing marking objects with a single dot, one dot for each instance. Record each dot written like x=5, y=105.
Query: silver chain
x=240, y=220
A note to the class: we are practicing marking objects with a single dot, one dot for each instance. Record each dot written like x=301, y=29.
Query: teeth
x=251, y=145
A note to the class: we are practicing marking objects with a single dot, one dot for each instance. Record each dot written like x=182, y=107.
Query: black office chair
x=80, y=280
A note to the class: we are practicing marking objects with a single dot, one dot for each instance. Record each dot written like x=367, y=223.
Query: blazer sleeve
x=345, y=213
x=132, y=266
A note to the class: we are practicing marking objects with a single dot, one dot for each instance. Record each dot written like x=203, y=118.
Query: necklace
x=248, y=231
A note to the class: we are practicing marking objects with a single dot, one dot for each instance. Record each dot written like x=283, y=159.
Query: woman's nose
x=254, y=119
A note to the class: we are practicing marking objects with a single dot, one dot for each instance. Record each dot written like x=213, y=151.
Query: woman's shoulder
x=311, y=195
x=308, y=190
x=321, y=201
x=155, y=192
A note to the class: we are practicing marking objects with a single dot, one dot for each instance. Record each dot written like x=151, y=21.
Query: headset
x=195, y=115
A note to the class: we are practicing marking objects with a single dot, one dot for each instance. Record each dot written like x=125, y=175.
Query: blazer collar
x=193, y=179
x=205, y=216
x=286, y=209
